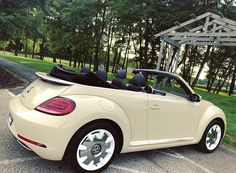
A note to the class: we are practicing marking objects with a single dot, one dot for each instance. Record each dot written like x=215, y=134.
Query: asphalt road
x=14, y=158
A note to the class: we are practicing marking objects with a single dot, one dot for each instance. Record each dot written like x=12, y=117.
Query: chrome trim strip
x=23, y=145
x=161, y=141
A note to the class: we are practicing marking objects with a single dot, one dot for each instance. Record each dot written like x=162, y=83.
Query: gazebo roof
x=206, y=29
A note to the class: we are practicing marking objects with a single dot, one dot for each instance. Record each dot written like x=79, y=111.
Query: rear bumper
x=50, y=131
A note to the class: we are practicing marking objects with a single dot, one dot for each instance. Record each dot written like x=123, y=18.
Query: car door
x=172, y=117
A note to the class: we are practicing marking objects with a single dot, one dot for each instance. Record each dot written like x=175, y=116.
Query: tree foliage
x=112, y=33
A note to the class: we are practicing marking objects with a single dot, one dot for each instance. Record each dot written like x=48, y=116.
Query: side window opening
x=169, y=85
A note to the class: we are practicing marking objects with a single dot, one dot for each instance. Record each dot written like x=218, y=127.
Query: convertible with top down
x=87, y=120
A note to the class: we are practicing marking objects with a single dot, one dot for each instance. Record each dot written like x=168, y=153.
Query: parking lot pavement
x=14, y=158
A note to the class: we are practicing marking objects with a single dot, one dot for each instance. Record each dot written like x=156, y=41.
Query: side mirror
x=196, y=98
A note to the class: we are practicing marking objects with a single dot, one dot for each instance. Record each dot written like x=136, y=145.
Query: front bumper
x=52, y=131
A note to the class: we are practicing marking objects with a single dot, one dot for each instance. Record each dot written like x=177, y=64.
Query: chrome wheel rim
x=213, y=137
x=95, y=150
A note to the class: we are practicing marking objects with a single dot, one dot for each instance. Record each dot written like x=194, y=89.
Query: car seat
x=137, y=82
x=102, y=75
x=118, y=81
x=85, y=70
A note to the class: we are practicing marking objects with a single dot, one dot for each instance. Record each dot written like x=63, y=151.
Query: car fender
x=211, y=112
x=92, y=108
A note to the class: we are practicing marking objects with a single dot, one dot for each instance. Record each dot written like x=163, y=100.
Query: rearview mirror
x=195, y=97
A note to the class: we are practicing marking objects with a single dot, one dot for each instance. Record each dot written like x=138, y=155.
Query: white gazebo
x=206, y=29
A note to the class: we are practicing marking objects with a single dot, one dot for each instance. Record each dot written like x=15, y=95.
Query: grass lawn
x=39, y=65
x=225, y=102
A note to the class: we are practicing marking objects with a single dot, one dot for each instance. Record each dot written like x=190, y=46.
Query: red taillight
x=57, y=106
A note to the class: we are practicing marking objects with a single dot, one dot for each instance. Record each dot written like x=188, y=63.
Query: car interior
x=140, y=82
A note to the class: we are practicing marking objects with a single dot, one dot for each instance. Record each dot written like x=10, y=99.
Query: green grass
x=39, y=65
x=225, y=102
x=44, y=66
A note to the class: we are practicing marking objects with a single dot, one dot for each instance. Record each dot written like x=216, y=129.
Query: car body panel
x=134, y=105
x=40, y=91
x=172, y=117
x=143, y=126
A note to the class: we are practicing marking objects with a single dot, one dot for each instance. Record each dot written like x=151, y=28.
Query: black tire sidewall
x=73, y=146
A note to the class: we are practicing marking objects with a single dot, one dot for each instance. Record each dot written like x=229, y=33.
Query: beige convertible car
x=87, y=120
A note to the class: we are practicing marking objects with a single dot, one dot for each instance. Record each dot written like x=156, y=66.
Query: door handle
x=155, y=107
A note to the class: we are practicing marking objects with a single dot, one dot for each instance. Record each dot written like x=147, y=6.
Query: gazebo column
x=160, y=55
x=169, y=58
x=177, y=60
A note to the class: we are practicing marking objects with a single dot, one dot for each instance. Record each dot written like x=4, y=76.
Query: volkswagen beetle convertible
x=86, y=120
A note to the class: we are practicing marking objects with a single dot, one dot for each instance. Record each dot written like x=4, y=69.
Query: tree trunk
x=146, y=38
x=70, y=61
x=226, y=75
x=205, y=59
x=213, y=80
x=75, y=61
x=54, y=57
x=26, y=49
x=110, y=38
x=140, y=45
x=90, y=60
x=126, y=51
x=114, y=60
x=34, y=43
x=118, y=60
x=227, y=86
x=217, y=86
x=98, y=42
x=17, y=46
x=42, y=48
x=127, y=61
x=232, y=85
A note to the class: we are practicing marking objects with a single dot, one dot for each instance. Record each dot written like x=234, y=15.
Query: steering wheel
x=148, y=89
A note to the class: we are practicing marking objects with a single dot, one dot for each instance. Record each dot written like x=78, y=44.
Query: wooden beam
x=210, y=43
x=201, y=34
x=172, y=42
x=160, y=54
x=224, y=24
x=169, y=58
x=177, y=60
x=184, y=24
x=223, y=19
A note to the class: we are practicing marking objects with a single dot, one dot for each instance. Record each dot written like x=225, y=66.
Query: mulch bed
x=10, y=80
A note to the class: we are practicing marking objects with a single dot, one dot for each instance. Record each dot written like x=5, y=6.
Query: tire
x=211, y=137
x=93, y=148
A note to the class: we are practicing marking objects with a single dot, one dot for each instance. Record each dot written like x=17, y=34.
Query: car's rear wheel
x=93, y=148
x=211, y=137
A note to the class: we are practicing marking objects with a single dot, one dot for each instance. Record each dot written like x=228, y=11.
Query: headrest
x=85, y=70
x=121, y=74
x=102, y=74
x=139, y=80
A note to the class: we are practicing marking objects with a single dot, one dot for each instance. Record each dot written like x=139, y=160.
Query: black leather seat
x=137, y=82
x=102, y=75
x=119, y=80
x=85, y=70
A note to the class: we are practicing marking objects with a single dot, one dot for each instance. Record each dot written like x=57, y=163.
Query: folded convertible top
x=90, y=78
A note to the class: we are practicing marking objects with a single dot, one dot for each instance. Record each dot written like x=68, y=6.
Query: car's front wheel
x=93, y=148
x=211, y=137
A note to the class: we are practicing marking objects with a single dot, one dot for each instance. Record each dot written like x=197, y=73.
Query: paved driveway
x=14, y=158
